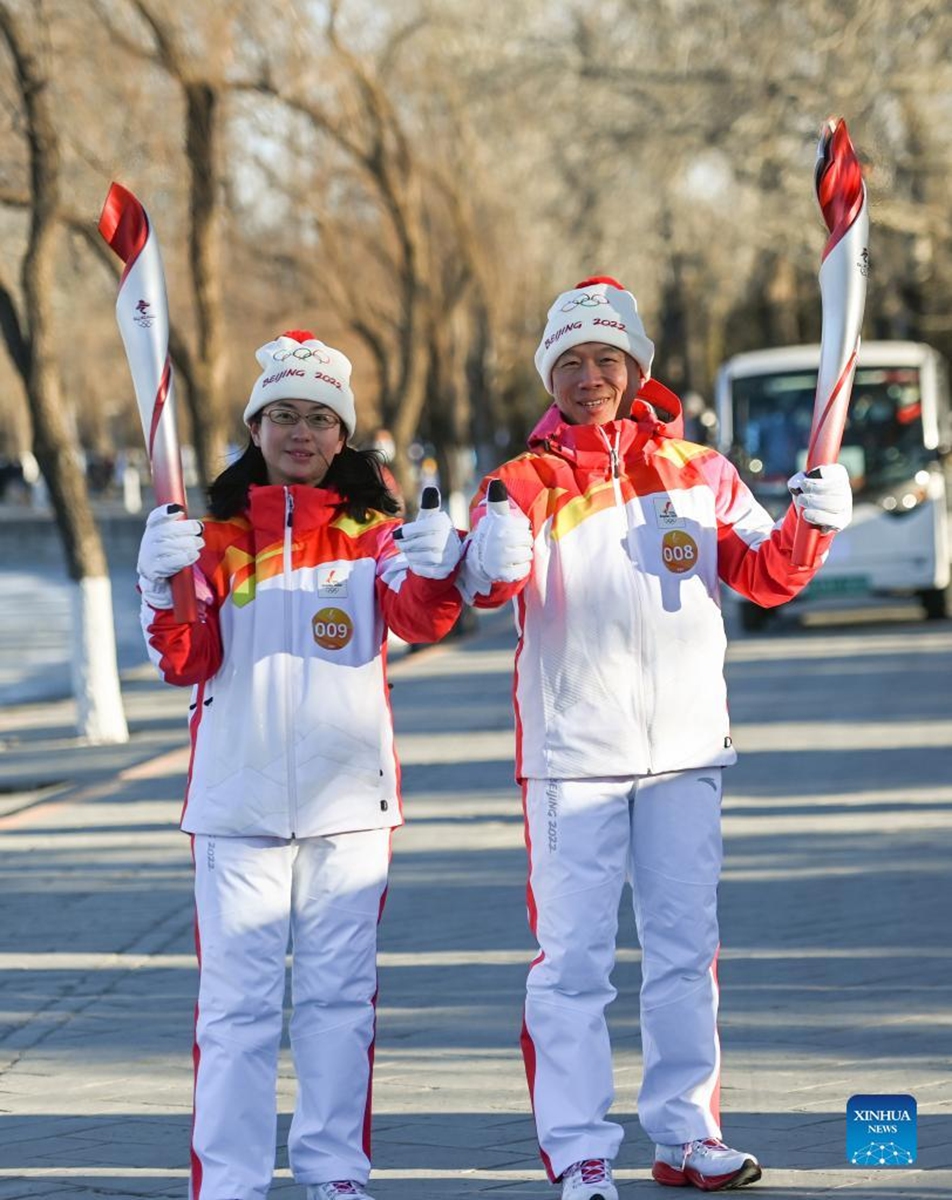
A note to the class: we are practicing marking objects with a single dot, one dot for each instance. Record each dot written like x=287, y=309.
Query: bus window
x=885, y=420
x=882, y=441
x=896, y=448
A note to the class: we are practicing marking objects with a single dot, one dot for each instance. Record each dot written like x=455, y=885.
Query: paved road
x=836, y=970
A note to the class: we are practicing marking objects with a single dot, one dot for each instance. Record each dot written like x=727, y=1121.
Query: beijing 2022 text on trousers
x=252, y=894
x=585, y=838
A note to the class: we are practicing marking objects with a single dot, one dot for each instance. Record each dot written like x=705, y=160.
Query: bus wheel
x=937, y=603
x=753, y=618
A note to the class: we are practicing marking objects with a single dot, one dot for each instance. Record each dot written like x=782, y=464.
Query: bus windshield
x=882, y=442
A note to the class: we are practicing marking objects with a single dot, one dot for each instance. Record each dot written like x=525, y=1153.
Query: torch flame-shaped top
x=124, y=224
x=840, y=190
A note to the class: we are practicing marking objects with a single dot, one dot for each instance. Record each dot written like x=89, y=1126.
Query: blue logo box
x=881, y=1131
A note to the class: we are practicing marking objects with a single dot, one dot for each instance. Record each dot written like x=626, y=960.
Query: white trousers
x=585, y=838
x=253, y=895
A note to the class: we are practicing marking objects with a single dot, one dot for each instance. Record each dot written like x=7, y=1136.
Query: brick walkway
x=836, y=970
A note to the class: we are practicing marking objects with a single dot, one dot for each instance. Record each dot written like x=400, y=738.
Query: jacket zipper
x=289, y=634
x=615, y=459
x=616, y=469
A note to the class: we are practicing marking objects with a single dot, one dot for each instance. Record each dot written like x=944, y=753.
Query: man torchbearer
x=616, y=540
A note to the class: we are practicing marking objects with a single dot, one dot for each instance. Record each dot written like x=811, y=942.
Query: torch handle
x=806, y=543
x=183, y=596
x=806, y=540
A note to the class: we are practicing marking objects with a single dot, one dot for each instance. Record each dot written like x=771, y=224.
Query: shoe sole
x=670, y=1176
x=613, y=1195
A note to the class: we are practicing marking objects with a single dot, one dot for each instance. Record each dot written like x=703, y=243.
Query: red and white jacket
x=291, y=727
x=620, y=661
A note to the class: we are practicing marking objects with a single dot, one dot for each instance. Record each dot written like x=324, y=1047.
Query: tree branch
x=169, y=54
x=125, y=43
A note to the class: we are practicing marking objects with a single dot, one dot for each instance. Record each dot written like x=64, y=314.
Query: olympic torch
x=142, y=311
x=844, y=267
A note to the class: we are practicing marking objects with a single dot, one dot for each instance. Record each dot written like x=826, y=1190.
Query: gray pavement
x=836, y=969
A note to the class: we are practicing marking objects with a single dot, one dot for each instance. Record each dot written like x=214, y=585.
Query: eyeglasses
x=315, y=420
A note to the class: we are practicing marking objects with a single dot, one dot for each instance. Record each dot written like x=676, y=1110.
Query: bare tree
x=366, y=131
x=426, y=179
x=29, y=332
x=199, y=75
x=377, y=168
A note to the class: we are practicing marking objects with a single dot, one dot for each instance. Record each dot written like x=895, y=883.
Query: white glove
x=499, y=550
x=431, y=545
x=823, y=497
x=169, y=544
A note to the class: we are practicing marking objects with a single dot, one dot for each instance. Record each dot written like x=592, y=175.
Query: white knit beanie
x=296, y=366
x=595, y=310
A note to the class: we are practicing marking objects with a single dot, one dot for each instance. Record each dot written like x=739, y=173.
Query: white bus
x=896, y=447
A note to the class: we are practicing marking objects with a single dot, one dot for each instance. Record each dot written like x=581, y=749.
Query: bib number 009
x=332, y=628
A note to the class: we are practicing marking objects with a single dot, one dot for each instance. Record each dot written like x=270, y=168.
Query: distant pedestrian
x=293, y=788
x=618, y=536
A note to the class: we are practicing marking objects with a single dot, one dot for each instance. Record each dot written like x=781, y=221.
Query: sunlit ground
x=836, y=972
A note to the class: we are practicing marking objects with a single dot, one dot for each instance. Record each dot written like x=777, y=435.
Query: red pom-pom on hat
x=600, y=279
x=299, y=335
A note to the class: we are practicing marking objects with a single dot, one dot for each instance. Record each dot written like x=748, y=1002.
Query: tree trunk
x=447, y=414
x=782, y=303
x=95, y=671
x=100, y=716
x=407, y=417
x=95, y=674
x=207, y=386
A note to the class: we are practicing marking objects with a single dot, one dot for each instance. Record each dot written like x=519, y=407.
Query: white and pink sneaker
x=706, y=1164
x=590, y=1179
x=337, y=1189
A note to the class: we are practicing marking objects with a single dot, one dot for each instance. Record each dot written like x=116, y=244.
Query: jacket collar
x=267, y=507
x=655, y=414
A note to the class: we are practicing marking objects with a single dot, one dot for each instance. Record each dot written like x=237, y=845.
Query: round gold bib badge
x=678, y=551
x=332, y=628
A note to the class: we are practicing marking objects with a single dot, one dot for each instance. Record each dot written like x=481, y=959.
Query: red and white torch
x=844, y=268
x=142, y=311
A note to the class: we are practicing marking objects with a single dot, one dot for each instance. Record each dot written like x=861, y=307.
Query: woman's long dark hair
x=355, y=474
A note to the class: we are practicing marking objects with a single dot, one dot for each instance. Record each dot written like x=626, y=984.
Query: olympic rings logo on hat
x=588, y=300
x=300, y=352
